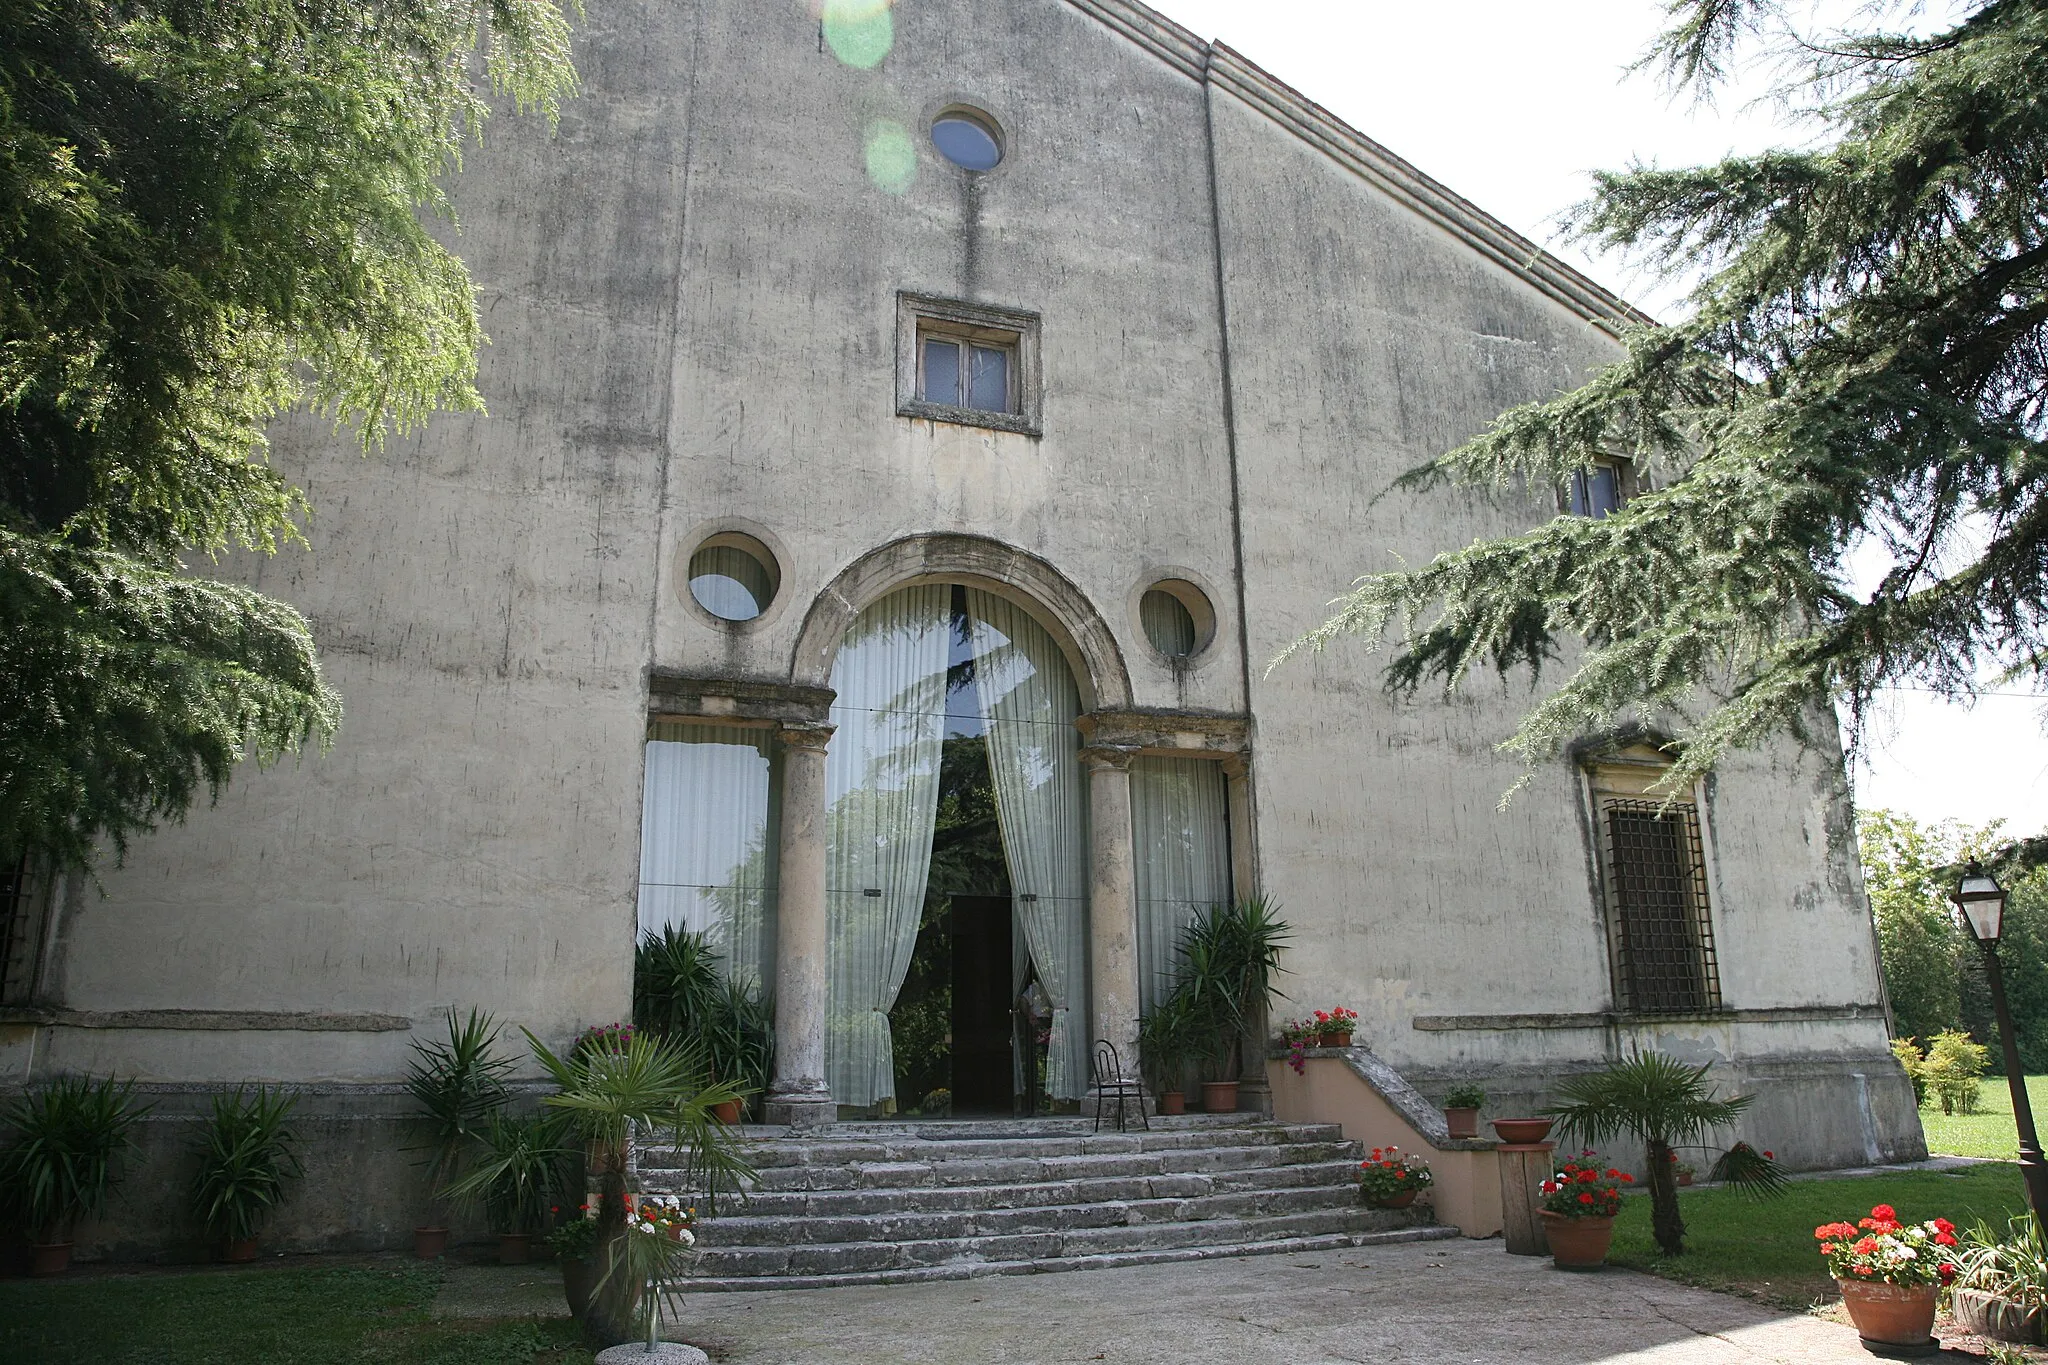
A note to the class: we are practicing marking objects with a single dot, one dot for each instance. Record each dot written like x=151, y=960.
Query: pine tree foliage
x=1864, y=366
x=211, y=211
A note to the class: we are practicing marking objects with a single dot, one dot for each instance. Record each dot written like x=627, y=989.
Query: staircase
x=892, y=1203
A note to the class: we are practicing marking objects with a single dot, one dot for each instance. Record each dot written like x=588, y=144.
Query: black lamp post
x=1982, y=902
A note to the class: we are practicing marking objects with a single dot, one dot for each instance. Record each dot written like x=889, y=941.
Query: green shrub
x=1914, y=1062
x=1466, y=1096
x=67, y=1136
x=1954, y=1063
x=247, y=1154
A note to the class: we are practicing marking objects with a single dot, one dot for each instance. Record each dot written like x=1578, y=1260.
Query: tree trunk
x=610, y=1319
x=1665, y=1224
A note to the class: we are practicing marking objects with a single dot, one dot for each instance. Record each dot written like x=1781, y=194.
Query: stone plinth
x=1523, y=1167
x=664, y=1353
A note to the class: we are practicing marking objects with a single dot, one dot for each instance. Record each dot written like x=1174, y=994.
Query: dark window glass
x=1168, y=623
x=730, y=583
x=1595, y=492
x=942, y=372
x=1664, y=939
x=967, y=142
x=988, y=384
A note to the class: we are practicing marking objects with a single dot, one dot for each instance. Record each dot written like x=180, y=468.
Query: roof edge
x=1223, y=67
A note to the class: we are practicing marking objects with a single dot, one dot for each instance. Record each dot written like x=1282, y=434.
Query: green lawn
x=1989, y=1131
x=1765, y=1250
x=361, y=1316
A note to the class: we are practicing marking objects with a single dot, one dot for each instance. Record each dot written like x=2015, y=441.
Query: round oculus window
x=732, y=577
x=968, y=140
x=1177, y=619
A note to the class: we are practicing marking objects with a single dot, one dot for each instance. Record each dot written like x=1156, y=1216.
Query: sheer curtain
x=1181, y=829
x=706, y=840
x=882, y=790
x=1028, y=694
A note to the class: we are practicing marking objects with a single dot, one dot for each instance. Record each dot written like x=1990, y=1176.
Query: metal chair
x=1110, y=1079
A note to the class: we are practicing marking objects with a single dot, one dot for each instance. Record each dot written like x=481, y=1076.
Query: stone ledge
x=1600, y=1019
x=208, y=1021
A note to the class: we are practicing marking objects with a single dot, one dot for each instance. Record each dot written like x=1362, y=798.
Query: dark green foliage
x=65, y=1138
x=1223, y=978
x=1866, y=366
x=523, y=1166
x=678, y=994
x=248, y=1153
x=1663, y=1104
x=459, y=1087
x=209, y=214
x=1175, y=1033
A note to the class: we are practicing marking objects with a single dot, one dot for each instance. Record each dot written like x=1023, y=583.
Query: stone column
x=1254, y=1091
x=798, y=1094
x=1112, y=905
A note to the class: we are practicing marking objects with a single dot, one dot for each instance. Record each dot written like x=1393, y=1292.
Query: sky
x=1513, y=105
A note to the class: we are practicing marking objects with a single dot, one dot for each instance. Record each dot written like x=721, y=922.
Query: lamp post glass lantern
x=1980, y=901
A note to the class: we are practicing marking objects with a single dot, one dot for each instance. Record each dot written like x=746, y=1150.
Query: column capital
x=1108, y=757
x=808, y=735
x=1235, y=766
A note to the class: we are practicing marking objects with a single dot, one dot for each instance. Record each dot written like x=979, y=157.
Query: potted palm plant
x=248, y=1153
x=458, y=1086
x=61, y=1163
x=1172, y=1037
x=678, y=993
x=1663, y=1103
x=604, y=1091
x=1229, y=956
x=518, y=1173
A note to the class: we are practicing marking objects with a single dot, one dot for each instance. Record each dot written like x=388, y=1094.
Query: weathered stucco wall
x=691, y=290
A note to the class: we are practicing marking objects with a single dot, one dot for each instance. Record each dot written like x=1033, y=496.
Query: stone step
x=772, y=1148
x=1027, y=1170
x=705, y=1282
x=840, y=1203
x=752, y=1228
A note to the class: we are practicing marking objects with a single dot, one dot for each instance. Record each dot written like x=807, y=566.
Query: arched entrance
x=954, y=730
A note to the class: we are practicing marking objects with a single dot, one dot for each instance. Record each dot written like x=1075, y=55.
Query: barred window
x=24, y=903
x=1652, y=855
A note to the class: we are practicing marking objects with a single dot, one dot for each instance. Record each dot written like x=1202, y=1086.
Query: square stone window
x=967, y=363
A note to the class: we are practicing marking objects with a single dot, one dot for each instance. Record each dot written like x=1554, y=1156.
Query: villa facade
x=1021, y=373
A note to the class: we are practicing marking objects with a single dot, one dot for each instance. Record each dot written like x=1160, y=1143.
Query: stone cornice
x=1170, y=732
x=685, y=695
x=1781, y=1014
x=1223, y=67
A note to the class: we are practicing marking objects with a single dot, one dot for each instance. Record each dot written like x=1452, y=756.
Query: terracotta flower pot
x=1899, y=1316
x=1577, y=1243
x=239, y=1251
x=515, y=1248
x=1173, y=1102
x=1987, y=1315
x=1333, y=1040
x=726, y=1112
x=427, y=1243
x=49, y=1258
x=1399, y=1201
x=1463, y=1122
x=579, y=1281
x=1522, y=1131
x=1685, y=1178
x=1219, y=1097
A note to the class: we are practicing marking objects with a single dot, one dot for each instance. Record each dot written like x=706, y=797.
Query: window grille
x=20, y=931
x=1664, y=939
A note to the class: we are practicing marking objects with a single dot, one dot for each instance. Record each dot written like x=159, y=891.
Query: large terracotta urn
x=1895, y=1316
x=1577, y=1243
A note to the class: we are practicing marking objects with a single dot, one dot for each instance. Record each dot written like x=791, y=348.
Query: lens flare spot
x=891, y=156
x=859, y=32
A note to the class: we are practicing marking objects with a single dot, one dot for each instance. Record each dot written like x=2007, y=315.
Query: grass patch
x=1990, y=1131
x=1765, y=1251
x=362, y=1316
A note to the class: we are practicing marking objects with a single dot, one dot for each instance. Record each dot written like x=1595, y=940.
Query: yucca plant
x=1662, y=1103
x=459, y=1087
x=1229, y=956
x=67, y=1137
x=679, y=994
x=248, y=1154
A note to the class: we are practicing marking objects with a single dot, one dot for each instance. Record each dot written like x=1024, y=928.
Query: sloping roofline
x=1219, y=65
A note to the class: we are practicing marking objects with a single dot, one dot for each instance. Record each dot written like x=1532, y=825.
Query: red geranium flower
x=1586, y=1198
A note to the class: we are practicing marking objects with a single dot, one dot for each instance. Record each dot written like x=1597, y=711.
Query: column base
x=805, y=1104
x=1254, y=1097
